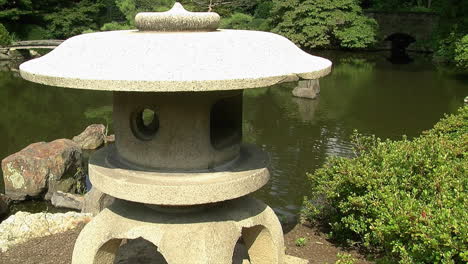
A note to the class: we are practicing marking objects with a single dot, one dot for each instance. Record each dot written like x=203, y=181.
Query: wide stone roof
x=146, y=61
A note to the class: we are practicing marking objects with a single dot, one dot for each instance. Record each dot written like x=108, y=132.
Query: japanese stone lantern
x=178, y=168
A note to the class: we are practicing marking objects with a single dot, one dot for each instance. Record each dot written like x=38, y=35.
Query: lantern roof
x=174, y=51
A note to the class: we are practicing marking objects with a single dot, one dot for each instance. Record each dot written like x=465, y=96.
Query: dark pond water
x=364, y=92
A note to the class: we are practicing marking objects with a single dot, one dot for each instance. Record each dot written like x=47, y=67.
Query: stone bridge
x=23, y=49
x=416, y=25
x=35, y=44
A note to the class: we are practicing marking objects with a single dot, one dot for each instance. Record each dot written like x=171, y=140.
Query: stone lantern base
x=204, y=234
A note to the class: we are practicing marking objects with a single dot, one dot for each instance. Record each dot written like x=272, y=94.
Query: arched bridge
x=24, y=49
x=416, y=25
x=35, y=44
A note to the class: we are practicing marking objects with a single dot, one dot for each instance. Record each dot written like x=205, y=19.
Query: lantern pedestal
x=204, y=234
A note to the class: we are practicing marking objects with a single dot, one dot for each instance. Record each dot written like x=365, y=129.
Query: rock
x=307, y=89
x=67, y=200
x=23, y=226
x=109, y=139
x=4, y=205
x=34, y=54
x=92, y=137
x=14, y=54
x=42, y=167
x=4, y=56
x=95, y=201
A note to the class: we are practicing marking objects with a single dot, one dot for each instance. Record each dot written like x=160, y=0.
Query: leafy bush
x=4, y=36
x=461, y=53
x=445, y=51
x=405, y=199
x=327, y=23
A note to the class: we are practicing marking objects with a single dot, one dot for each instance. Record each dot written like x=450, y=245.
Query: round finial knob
x=177, y=19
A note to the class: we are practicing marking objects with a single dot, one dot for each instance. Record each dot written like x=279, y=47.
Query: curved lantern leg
x=208, y=236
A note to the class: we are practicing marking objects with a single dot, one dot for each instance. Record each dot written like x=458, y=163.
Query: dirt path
x=57, y=249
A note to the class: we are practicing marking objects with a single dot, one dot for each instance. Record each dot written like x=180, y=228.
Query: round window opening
x=144, y=124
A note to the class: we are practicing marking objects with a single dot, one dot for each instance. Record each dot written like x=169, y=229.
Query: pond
x=365, y=92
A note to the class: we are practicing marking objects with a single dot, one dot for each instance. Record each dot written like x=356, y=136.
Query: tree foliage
x=74, y=20
x=406, y=199
x=403, y=5
x=245, y=21
x=13, y=10
x=322, y=24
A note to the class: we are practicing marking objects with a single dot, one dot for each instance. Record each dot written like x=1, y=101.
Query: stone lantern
x=178, y=168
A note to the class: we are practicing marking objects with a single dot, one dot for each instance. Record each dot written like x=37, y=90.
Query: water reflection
x=306, y=108
x=400, y=42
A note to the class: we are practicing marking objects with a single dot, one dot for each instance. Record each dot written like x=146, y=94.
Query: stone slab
x=95, y=201
x=67, y=200
x=244, y=175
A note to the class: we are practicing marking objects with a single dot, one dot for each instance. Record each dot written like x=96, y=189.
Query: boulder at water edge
x=42, y=167
x=92, y=137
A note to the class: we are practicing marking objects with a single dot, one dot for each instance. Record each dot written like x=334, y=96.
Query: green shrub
x=5, y=38
x=406, y=199
x=461, y=53
x=445, y=50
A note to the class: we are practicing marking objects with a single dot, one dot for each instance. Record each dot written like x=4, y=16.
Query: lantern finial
x=177, y=19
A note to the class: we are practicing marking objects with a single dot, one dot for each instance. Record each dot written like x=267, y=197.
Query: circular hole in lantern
x=144, y=123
